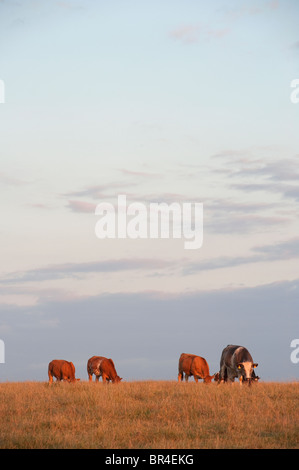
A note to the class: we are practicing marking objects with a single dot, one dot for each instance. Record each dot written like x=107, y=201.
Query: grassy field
x=148, y=415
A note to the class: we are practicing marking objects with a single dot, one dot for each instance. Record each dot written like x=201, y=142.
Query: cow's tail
x=50, y=375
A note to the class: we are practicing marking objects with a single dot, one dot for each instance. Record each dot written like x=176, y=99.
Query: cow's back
x=242, y=354
x=108, y=371
x=61, y=369
x=69, y=370
x=227, y=354
x=200, y=366
x=185, y=363
x=107, y=367
x=93, y=364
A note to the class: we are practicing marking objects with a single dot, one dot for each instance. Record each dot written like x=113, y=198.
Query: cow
x=236, y=361
x=100, y=366
x=61, y=370
x=93, y=367
x=254, y=378
x=190, y=364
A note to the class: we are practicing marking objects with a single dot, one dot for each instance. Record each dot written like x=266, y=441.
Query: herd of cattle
x=235, y=362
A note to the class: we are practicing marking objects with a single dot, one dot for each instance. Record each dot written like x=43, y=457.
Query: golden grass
x=148, y=415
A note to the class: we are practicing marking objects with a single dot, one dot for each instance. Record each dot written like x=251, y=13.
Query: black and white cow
x=236, y=361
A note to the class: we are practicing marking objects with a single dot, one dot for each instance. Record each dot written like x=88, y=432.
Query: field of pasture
x=148, y=415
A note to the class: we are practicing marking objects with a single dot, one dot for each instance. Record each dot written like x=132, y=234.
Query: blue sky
x=164, y=102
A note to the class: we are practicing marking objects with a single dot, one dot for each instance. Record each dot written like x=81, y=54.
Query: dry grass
x=148, y=415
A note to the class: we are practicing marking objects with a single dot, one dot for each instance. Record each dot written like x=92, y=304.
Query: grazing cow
x=236, y=361
x=93, y=367
x=190, y=364
x=254, y=378
x=61, y=370
x=100, y=366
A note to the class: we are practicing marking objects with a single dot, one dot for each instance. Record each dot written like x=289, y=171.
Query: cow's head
x=216, y=377
x=116, y=380
x=246, y=369
x=208, y=379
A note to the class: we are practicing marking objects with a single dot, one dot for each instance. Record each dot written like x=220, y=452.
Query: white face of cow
x=246, y=369
x=247, y=366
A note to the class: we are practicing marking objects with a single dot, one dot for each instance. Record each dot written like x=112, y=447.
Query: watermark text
x=295, y=353
x=159, y=220
x=294, y=97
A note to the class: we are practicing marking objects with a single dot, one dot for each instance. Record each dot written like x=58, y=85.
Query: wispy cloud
x=82, y=206
x=192, y=33
x=102, y=190
x=188, y=34
x=249, y=9
x=257, y=173
x=286, y=190
x=142, y=174
x=285, y=250
x=77, y=270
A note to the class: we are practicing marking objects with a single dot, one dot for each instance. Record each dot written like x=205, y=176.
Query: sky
x=163, y=102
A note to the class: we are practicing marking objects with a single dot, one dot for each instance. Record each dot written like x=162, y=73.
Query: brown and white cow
x=93, y=367
x=236, y=362
x=61, y=370
x=100, y=366
x=190, y=364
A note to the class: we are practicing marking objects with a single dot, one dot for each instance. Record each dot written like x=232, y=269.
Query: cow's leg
x=50, y=378
x=222, y=374
x=105, y=378
x=241, y=379
x=230, y=376
x=89, y=377
x=186, y=377
x=180, y=376
x=97, y=378
x=196, y=378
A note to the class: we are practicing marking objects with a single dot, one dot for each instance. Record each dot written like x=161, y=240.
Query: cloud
x=244, y=224
x=76, y=270
x=136, y=330
x=257, y=173
x=285, y=250
x=102, y=190
x=280, y=170
x=249, y=9
x=187, y=34
x=245, y=163
x=286, y=190
x=192, y=33
x=82, y=206
x=146, y=174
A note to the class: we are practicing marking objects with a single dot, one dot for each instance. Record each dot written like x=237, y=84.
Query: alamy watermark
x=294, y=97
x=158, y=220
x=2, y=91
x=295, y=353
x=2, y=352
